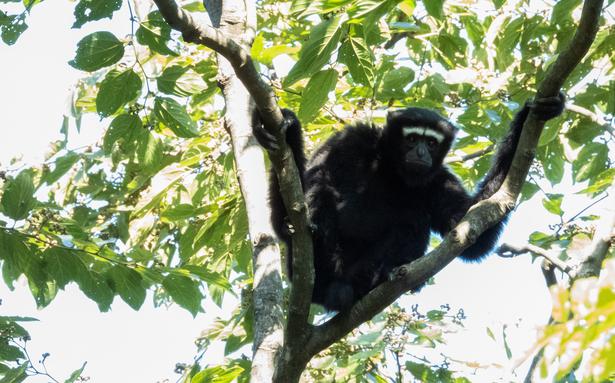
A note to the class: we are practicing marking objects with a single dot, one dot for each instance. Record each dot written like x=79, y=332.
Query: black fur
x=373, y=208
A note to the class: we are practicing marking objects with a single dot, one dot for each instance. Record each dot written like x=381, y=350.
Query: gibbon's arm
x=453, y=201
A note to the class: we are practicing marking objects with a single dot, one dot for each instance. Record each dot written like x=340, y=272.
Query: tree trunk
x=237, y=20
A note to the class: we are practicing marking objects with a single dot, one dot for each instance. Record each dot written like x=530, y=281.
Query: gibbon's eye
x=411, y=139
x=432, y=143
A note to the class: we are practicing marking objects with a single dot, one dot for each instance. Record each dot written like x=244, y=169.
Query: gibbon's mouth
x=419, y=164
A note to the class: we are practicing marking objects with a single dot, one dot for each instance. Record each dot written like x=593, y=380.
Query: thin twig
x=133, y=20
x=470, y=156
x=507, y=250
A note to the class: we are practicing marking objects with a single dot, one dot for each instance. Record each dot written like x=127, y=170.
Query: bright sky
x=143, y=347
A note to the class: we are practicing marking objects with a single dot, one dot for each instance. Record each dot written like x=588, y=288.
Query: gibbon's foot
x=548, y=107
x=398, y=273
x=268, y=140
x=264, y=138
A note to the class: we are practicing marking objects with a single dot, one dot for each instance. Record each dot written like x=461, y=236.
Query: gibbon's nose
x=420, y=151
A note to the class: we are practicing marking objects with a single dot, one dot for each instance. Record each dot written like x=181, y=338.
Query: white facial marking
x=423, y=131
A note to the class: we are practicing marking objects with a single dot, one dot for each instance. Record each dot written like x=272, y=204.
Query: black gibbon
x=374, y=195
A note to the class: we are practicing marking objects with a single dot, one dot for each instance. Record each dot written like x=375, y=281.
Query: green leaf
x=97, y=50
x=42, y=286
x=549, y=133
x=370, y=11
x=316, y=93
x=592, y=160
x=510, y=36
x=209, y=277
x=124, y=128
x=317, y=50
x=155, y=33
x=475, y=29
x=63, y=266
x=184, y=291
x=15, y=255
x=174, y=116
x=180, y=81
x=179, y=212
x=95, y=287
x=490, y=333
x=149, y=151
x=600, y=183
x=583, y=131
x=367, y=339
x=18, y=197
x=394, y=83
x=498, y=3
x=11, y=27
x=62, y=165
x=434, y=8
x=359, y=59
x=553, y=204
x=90, y=10
x=218, y=374
x=76, y=374
x=552, y=158
x=528, y=190
x=16, y=375
x=196, y=6
x=266, y=55
x=10, y=352
x=562, y=10
x=128, y=284
x=506, y=346
x=116, y=90
x=452, y=51
x=407, y=7
x=435, y=315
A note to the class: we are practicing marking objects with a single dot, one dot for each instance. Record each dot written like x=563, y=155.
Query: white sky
x=143, y=347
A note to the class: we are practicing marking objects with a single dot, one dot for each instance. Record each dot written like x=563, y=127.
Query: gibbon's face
x=421, y=148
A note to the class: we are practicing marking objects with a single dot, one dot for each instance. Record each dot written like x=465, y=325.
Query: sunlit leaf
x=180, y=81
x=357, y=56
x=434, y=8
x=11, y=27
x=175, y=117
x=156, y=34
x=124, y=128
x=317, y=50
x=592, y=160
x=90, y=10
x=18, y=197
x=116, y=90
x=97, y=50
x=316, y=93
x=553, y=204
x=184, y=291
x=128, y=284
x=75, y=374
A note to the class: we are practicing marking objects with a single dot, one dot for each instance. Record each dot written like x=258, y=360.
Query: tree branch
x=592, y=116
x=507, y=250
x=471, y=156
x=591, y=265
x=232, y=17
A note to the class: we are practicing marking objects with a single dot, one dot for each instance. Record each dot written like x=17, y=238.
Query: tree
x=173, y=218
